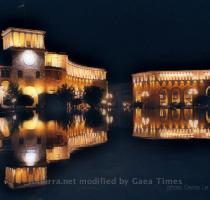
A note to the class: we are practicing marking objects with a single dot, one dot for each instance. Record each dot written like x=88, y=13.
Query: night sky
x=123, y=36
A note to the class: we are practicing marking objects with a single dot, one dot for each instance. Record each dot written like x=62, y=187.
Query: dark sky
x=124, y=36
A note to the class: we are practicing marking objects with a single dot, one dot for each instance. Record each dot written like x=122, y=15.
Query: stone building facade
x=162, y=88
x=36, y=70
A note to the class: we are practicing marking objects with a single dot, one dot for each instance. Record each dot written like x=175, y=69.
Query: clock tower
x=27, y=50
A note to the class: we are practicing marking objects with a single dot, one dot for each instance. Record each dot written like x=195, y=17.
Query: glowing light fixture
x=30, y=158
x=193, y=91
x=145, y=94
x=29, y=57
x=145, y=121
x=193, y=123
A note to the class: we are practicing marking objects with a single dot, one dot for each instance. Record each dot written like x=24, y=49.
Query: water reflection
x=171, y=124
x=39, y=139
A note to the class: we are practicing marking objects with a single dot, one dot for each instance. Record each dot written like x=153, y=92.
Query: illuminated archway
x=188, y=114
x=5, y=84
x=187, y=97
x=3, y=90
x=163, y=97
x=163, y=114
x=176, y=114
x=30, y=124
x=175, y=95
x=208, y=91
x=31, y=91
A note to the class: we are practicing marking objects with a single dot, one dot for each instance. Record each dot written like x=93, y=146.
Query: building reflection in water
x=38, y=141
x=171, y=124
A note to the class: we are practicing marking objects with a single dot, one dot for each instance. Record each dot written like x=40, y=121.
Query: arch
x=31, y=91
x=188, y=114
x=5, y=84
x=208, y=117
x=31, y=124
x=176, y=114
x=163, y=114
x=176, y=95
x=187, y=97
x=163, y=97
x=4, y=127
x=208, y=91
x=3, y=90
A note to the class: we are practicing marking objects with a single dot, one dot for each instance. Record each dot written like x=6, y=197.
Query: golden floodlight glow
x=38, y=71
x=4, y=127
x=31, y=91
x=193, y=123
x=192, y=91
x=24, y=176
x=5, y=84
x=145, y=94
x=31, y=124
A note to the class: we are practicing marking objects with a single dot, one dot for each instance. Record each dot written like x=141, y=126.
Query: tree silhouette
x=94, y=118
x=66, y=94
x=25, y=100
x=93, y=95
x=13, y=93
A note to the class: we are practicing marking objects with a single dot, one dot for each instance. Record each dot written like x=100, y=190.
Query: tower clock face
x=29, y=57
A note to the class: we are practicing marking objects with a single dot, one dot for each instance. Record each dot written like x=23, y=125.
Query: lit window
x=21, y=140
x=38, y=74
x=5, y=73
x=20, y=74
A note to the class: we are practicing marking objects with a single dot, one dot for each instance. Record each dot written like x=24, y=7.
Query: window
x=38, y=74
x=28, y=44
x=5, y=73
x=58, y=77
x=49, y=63
x=21, y=140
x=39, y=140
x=20, y=74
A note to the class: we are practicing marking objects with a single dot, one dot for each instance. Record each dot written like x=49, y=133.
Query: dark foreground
x=181, y=166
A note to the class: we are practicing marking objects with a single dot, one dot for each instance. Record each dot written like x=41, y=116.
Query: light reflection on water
x=37, y=140
x=171, y=124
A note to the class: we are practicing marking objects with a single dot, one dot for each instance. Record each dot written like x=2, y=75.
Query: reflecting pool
x=171, y=124
x=160, y=154
x=37, y=140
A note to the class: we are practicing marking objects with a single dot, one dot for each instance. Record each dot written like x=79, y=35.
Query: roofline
x=87, y=67
x=54, y=52
x=70, y=62
x=10, y=29
x=169, y=71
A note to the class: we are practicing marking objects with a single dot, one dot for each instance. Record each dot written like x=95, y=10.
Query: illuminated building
x=36, y=70
x=171, y=124
x=163, y=88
